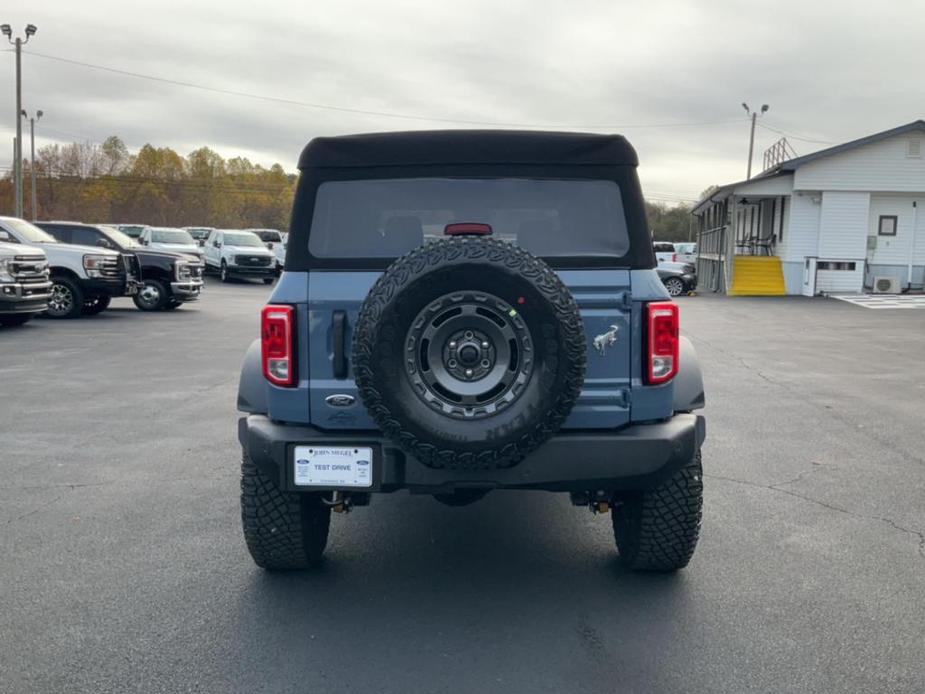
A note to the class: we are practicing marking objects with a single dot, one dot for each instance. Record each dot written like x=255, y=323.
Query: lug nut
x=469, y=372
x=451, y=363
x=485, y=345
x=452, y=344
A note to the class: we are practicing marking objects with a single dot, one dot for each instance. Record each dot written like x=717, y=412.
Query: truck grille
x=29, y=269
x=252, y=260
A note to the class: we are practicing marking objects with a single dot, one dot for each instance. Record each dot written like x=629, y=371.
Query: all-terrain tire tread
x=658, y=529
x=572, y=347
x=283, y=531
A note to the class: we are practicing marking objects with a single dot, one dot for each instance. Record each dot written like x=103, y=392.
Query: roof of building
x=436, y=147
x=793, y=164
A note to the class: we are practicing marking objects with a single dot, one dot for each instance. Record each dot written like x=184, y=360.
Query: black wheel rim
x=469, y=354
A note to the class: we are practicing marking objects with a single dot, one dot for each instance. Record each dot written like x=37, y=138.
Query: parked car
x=199, y=234
x=167, y=279
x=170, y=239
x=678, y=278
x=686, y=252
x=132, y=230
x=83, y=278
x=234, y=253
x=469, y=323
x=24, y=283
x=276, y=242
x=665, y=252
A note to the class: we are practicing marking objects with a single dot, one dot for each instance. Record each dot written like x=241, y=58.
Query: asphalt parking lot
x=123, y=568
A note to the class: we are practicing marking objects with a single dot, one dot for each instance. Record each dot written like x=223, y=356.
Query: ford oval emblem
x=340, y=400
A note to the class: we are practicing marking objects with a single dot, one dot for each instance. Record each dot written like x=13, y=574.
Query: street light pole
x=7, y=31
x=18, y=165
x=751, y=139
x=35, y=207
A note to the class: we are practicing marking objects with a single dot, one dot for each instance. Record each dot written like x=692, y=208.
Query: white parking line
x=883, y=300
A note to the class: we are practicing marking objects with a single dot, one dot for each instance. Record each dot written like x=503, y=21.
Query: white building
x=828, y=222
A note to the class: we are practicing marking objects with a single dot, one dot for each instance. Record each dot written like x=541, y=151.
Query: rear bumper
x=635, y=457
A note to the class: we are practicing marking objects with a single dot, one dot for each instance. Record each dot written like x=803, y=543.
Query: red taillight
x=277, y=340
x=663, y=325
x=674, y=257
x=467, y=229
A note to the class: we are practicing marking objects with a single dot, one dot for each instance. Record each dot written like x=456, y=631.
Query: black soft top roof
x=435, y=147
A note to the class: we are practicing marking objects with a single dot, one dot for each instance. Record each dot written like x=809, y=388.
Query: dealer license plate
x=333, y=466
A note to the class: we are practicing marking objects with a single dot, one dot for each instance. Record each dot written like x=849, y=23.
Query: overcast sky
x=830, y=71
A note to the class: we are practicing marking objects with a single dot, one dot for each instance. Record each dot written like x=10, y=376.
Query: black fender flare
x=252, y=388
x=688, y=384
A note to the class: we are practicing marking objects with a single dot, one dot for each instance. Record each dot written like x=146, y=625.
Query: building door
x=809, y=277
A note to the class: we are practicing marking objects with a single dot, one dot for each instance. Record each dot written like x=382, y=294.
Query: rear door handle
x=339, y=338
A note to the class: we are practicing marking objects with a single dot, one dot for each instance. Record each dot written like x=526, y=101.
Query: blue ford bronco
x=469, y=311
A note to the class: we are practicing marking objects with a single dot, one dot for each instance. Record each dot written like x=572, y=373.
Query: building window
x=887, y=226
x=835, y=265
x=914, y=149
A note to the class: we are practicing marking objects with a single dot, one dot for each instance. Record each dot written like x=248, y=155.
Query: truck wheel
x=223, y=272
x=283, y=531
x=14, y=319
x=469, y=353
x=153, y=296
x=674, y=286
x=96, y=304
x=657, y=530
x=66, y=300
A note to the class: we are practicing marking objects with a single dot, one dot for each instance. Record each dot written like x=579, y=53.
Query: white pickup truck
x=234, y=253
x=276, y=242
x=24, y=284
x=169, y=239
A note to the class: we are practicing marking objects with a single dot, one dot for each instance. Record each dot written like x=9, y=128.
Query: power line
x=794, y=136
x=365, y=112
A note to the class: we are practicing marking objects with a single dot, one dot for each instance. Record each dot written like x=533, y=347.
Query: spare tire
x=469, y=353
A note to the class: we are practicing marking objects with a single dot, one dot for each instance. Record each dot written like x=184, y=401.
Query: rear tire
x=283, y=531
x=674, y=286
x=657, y=530
x=66, y=300
x=223, y=272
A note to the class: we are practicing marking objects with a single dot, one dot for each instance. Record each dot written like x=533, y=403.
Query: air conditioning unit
x=887, y=285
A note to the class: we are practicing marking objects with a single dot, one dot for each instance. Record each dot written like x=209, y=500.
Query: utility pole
x=751, y=140
x=7, y=31
x=38, y=116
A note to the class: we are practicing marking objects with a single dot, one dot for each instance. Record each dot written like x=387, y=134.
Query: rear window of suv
x=386, y=218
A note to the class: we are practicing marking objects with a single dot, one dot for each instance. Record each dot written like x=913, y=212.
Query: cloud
x=830, y=71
